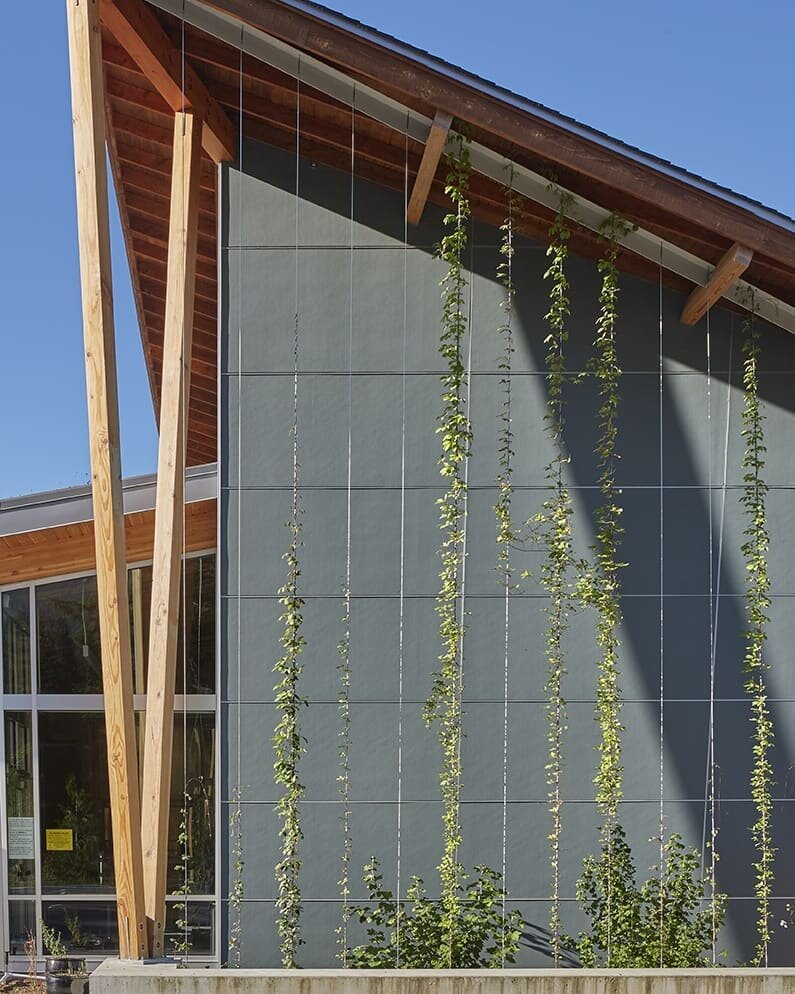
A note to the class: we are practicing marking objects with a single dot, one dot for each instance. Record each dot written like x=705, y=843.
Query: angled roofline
x=414, y=75
x=373, y=35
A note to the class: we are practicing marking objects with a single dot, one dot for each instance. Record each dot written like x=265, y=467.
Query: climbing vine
x=599, y=584
x=757, y=601
x=236, y=891
x=444, y=702
x=505, y=441
x=555, y=530
x=343, y=778
x=288, y=746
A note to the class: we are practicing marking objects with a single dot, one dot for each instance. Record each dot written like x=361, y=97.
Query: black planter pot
x=66, y=975
x=67, y=983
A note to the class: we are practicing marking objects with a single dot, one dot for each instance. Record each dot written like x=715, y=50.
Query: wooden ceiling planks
x=70, y=548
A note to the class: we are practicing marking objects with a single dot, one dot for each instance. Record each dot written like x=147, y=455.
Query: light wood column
x=168, y=541
x=88, y=120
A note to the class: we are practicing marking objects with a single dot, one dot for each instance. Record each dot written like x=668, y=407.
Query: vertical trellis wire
x=503, y=513
x=235, y=818
x=709, y=794
x=755, y=549
x=344, y=647
x=716, y=567
x=465, y=528
x=401, y=618
x=288, y=742
x=662, y=622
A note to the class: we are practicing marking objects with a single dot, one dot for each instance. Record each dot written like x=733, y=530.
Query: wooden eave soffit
x=138, y=31
x=731, y=266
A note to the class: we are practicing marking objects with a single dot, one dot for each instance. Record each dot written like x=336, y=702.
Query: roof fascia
x=366, y=100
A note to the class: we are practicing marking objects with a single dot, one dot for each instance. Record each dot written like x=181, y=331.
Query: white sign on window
x=21, y=838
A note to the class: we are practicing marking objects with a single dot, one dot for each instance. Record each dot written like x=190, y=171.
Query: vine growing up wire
x=600, y=585
x=288, y=742
x=444, y=702
x=555, y=530
x=343, y=777
x=505, y=442
x=757, y=602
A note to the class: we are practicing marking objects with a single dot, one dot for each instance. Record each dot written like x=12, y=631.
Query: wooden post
x=88, y=121
x=167, y=558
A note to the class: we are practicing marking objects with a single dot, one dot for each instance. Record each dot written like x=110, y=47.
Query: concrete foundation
x=116, y=977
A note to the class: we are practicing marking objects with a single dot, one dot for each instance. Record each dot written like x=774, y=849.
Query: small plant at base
x=484, y=937
x=444, y=702
x=757, y=602
x=182, y=945
x=662, y=922
x=31, y=954
x=52, y=941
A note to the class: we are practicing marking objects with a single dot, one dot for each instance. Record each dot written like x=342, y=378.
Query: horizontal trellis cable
x=484, y=160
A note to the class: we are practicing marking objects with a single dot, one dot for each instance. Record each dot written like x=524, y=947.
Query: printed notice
x=59, y=839
x=21, y=838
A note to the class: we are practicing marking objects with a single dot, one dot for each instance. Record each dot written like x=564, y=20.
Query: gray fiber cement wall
x=259, y=269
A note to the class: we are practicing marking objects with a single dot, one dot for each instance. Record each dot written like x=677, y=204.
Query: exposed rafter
x=434, y=147
x=139, y=32
x=733, y=264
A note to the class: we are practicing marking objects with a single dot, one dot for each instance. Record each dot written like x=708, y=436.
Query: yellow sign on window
x=60, y=839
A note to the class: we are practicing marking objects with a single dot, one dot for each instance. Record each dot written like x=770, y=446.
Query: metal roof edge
x=549, y=116
x=73, y=505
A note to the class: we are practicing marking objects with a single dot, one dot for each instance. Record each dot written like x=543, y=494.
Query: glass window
x=76, y=843
x=19, y=803
x=190, y=928
x=21, y=926
x=198, y=595
x=16, y=641
x=193, y=805
x=67, y=621
x=88, y=928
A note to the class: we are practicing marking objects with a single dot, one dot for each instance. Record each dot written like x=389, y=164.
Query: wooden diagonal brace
x=168, y=539
x=88, y=120
x=140, y=33
x=437, y=137
x=733, y=264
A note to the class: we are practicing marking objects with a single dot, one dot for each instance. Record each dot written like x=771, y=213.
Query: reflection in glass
x=21, y=924
x=190, y=930
x=77, y=851
x=88, y=928
x=67, y=623
x=193, y=803
x=19, y=803
x=198, y=594
x=16, y=641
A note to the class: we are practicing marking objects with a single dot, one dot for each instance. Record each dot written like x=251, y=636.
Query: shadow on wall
x=692, y=442
x=695, y=502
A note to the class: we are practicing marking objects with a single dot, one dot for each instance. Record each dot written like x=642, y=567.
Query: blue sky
x=707, y=85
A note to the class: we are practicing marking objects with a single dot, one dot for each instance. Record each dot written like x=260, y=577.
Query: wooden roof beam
x=437, y=138
x=730, y=268
x=140, y=33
